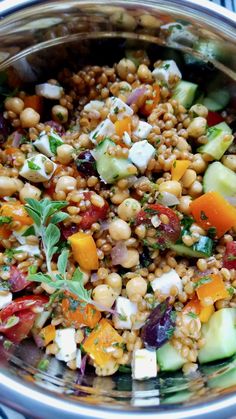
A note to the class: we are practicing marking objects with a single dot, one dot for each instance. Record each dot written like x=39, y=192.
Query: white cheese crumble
x=143, y=130
x=166, y=71
x=34, y=169
x=144, y=364
x=65, y=340
x=105, y=129
x=166, y=281
x=125, y=309
x=141, y=153
x=48, y=143
x=49, y=91
x=119, y=108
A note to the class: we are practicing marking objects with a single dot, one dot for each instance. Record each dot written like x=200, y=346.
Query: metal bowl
x=36, y=39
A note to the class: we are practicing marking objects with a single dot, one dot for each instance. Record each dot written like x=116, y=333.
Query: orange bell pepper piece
x=5, y=232
x=11, y=150
x=122, y=126
x=179, y=168
x=206, y=313
x=211, y=286
x=17, y=212
x=104, y=336
x=151, y=102
x=35, y=102
x=84, y=250
x=76, y=313
x=212, y=210
x=48, y=334
x=193, y=306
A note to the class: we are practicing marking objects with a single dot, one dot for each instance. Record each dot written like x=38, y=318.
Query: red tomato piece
x=22, y=303
x=21, y=330
x=69, y=230
x=213, y=118
x=229, y=260
x=93, y=213
x=17, y=280
x=166, y=233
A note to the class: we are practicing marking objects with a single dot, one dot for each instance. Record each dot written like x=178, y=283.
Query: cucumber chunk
x=201, y=249
x=185, y=92
x=225, y=380
x=169, y=359
x=102, y=147
x=219, y=178
x=220, y=336
x=216, y=100
x=216, y=145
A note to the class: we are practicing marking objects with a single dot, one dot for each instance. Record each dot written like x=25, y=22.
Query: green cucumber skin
x=215, y=146
x=185, y=92
x=169, y=359
x=219, y=178
x=102, y=147
x=220, y=336
x=201, y=249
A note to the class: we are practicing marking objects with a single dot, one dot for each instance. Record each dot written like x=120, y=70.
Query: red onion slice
x=16, y=137
x=118, y=253
x=168, y=199
x=135, y=95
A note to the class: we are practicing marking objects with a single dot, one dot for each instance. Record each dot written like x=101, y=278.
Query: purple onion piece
x=56, y=126
x=135, y=95
x=159, y=326
x=86, y=163
x=4, y=129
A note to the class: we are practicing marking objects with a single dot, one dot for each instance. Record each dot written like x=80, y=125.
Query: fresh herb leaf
x=211, y=232
x=204, y=280
x=192, y=314
x=33, y=166
x=5, y=220
x=59, y=217
x=54, y=142
x=62, y=262
x=203, y=216
x=186, y=222
x=29, y=232
x=230, y=291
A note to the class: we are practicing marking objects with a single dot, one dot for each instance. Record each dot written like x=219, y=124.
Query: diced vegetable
x=206, y=313
x=216, y=100
x=219, y=139
x=220, y=336
x=213, y=118
x=77, y=313
x=48, y=334
x=201, y=249
x=141, y=153
x=169, y=359
x=19, y=331
x=16, y=211
x=35, y=102
x=185, y=92
x=219, y=178
x=151, y=102
x=179, y=168
x=212, y=210
x=229, y=260
x=122, y=126
x=159, y=326
x=193, y=306
x=98, y=343
x=211, y=287
x=5, y=299
x=84, y=250
x=5, y=232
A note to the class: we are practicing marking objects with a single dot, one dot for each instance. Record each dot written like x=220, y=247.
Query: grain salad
x=118, y=220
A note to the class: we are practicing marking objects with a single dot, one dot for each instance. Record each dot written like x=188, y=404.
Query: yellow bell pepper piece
x=179, y=168
x=84, y=250
x=206, y=313
x=48, y=334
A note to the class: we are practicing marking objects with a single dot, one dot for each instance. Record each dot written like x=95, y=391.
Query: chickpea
x=131, y=259
x=197, y=127
x=136, y=286
x=14, y=104
x=149, y=21
x=128, y=209
x=64, y=153
x=105, y=295
x=198, y=164
x=123, y=20
x=188, y=178
x=19, y=184
x=29, y=118
x=229, y=161
x=195, y=189
x=66, y=184
x=119, y=230
x=114, y=280
x=184, y=204
x=29, y=191
x=9, y=186
x=125, y=67
x=198, y=110
x=171, y=186
x=144, y=74
x=60, y=114
x=119, y=195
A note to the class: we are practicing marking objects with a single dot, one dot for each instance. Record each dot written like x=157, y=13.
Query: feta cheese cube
x=144, y=364
x=5, y=299
x=65, y=340
x=142, y=130
x=166, y=71
x=105, y=129
x=94, y=105
x=48, y=143
x=49, y=91
x=34, y=169
x=125, y=308
x=119, y=108
x=166, y=281
x=32, y=250
x=141, y=153
x=126, y=139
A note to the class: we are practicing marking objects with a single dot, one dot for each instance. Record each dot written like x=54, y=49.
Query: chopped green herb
x=230, y=291
x=122, y=317
x=202, y=281
x=116, y=110
x=33, y=166
x=174, y=164
x=211, y=232
x=203, y=216
x=166, y=66
x=126, y=369
x=43, y=365
x=186, y=222
x=54, y=142
x=32, y=270
x=193, y=315
x=7, y=344
x=29, y=232
x=5, y=220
